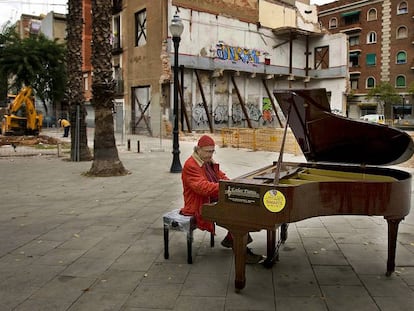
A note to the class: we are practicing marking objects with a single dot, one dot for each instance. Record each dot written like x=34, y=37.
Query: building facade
x=381, y=49
x=232, y=55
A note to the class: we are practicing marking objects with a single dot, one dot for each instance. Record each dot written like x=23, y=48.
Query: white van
x=376, y=118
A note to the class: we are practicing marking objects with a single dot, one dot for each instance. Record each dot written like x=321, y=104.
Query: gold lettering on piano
x=274, y=200
x=242, y=195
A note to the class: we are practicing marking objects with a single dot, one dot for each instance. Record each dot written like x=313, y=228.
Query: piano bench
x=175, y=221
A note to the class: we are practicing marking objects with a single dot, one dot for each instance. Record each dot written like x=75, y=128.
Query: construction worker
x=66, y=126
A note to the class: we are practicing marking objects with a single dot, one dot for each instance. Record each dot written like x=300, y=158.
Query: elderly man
x=200, y=177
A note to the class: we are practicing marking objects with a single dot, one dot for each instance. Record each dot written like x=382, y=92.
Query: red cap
x=205, y=141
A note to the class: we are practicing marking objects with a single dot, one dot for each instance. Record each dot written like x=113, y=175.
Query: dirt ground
x=28, y=140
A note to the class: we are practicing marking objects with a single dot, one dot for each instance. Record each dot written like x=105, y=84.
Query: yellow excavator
x=21, y=117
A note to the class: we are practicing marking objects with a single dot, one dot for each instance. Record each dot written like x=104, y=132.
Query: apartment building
x=232, y=55
x=381, y=49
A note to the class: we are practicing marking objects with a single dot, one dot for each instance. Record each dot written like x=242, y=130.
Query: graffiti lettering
x=235, y=54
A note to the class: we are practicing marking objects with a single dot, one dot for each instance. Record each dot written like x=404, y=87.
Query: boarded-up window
x=322, y=57
x=141, y=28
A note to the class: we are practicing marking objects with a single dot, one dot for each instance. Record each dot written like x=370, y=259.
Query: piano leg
x=272, y=253
x=239, y=250
x=273, y=244
x=392, y=244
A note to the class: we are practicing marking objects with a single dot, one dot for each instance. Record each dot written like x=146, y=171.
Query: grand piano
x=343, y=175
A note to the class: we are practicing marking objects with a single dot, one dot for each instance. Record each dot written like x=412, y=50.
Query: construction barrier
x=265, y=139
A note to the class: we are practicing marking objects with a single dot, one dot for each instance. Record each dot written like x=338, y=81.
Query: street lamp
x=176, y=28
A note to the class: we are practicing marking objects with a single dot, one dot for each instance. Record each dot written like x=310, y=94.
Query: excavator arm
x=22, y=117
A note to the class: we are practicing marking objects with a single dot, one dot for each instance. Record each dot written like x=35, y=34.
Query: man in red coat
x=200, y=177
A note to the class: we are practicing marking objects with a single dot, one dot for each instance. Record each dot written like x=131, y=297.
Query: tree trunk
x=74, y=90
x=106, y=160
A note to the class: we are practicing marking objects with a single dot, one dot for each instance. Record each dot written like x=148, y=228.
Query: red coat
x=198, y=190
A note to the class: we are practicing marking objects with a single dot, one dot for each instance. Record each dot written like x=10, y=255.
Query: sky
x=13, y=9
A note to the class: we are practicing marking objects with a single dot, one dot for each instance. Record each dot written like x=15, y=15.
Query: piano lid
x=326, y=137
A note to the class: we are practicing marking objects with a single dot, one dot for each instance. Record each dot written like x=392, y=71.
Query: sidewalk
x=69, y=242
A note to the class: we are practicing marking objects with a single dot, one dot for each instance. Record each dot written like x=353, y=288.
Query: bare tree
x=106, y=160
x=74, y=90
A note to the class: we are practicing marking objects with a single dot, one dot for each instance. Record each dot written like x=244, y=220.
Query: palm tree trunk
x=74, y=91
x=106, y=160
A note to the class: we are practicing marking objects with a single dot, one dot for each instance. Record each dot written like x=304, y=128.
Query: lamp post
x=176, y=28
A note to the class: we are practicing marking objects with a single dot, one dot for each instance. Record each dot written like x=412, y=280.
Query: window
x=141, y=28
x=400, y=81
x=402, y=32
x=354, y=59
x=371, y=59
x=354, y=83
x=85, y=82
x=372, y=37
x=333, y=23
x=116, y=32
x=353, y=40
x=322, y=57
x=402, y=8
x=401, y=57
x=372, y=15
x=370, y=82
x=351, y=17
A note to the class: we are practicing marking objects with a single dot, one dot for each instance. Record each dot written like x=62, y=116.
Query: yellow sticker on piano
x=274, y=200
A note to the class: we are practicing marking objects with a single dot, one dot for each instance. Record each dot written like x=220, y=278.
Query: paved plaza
x=70, y=242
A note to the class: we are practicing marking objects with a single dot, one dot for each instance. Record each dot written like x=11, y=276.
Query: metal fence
x=265, y=139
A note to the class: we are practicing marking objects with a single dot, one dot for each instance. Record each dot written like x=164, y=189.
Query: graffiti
x=267, y=114
x=221, y=114
x=254, y=112
x=247, y=56
x=237, y=114
x=199, y=115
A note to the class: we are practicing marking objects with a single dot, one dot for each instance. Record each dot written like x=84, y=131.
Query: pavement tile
x=64, y=288
x=208, y=285
x=118, y=281
x=43, y=304
x=392, y=304
x=407, y=274
x=313, y=303
x=258, y=293
x=88, y=267
x=165, y=273
x=336, y=275
x=97, y=300
x=190, y=303
x=345, y=298
x=155, y=296
x=383, y=286
x=60, y=257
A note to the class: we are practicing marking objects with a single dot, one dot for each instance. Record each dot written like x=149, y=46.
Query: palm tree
x=106, y=160
x=74, y=91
